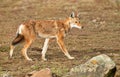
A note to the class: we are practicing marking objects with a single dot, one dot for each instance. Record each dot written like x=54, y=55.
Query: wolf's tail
x=19, y=38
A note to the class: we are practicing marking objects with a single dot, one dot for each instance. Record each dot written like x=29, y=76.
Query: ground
x=100, y=35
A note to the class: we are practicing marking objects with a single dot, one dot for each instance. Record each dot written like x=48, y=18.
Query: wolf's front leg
x=62, y=45
x=45, y=48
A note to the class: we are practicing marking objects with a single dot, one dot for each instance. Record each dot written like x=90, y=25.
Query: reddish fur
x=47, y=29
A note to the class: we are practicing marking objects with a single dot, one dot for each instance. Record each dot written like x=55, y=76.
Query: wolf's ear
x=72, y=15
x=78, y=15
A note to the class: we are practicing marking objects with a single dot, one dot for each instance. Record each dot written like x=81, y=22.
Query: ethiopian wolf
x=48, y=29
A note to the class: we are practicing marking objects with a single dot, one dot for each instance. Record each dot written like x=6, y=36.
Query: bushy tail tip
x=18, y=39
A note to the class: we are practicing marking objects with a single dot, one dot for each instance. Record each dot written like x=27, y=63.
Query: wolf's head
x=75, y=21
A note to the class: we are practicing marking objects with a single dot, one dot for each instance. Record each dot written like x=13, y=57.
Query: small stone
x=42, y=73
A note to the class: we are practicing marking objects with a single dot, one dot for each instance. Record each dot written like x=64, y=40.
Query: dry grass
x=100, y=35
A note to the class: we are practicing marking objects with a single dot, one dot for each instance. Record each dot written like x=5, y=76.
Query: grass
x=99, y=36
x=4, y=48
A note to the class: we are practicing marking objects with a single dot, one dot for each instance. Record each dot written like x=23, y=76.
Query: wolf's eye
x=75, y=21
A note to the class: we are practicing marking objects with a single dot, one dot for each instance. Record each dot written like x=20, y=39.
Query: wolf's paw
x=71, y=57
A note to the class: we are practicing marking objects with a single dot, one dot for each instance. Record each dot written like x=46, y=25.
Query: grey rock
x=99, y=66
